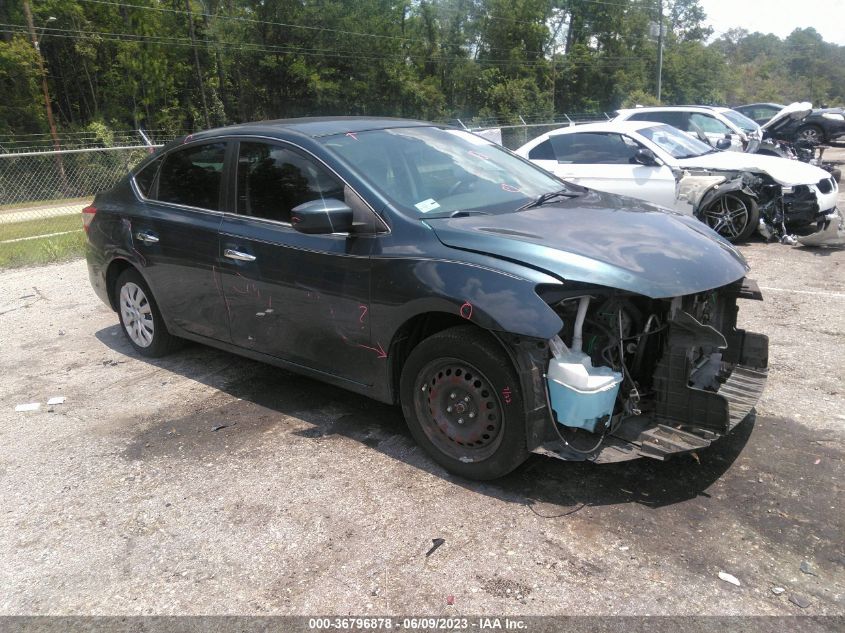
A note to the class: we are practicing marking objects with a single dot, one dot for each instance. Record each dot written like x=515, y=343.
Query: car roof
x=607, y=126
x=314, y=127
x=679, y=108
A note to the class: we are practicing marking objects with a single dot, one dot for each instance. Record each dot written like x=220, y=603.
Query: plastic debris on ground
x=31, y=406
x=729, y=578
x=778, y=590
x=805, y=567
x=56, y=400
x=436, y=542
x=799, y=600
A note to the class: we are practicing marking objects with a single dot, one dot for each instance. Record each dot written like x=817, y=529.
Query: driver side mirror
x=724, y=143
x=322, y=217
x=646, y=157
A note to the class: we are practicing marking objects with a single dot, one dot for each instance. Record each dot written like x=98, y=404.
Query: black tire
x=140, y=318
x=719, y=216
x=447, y=378
x=811, y=133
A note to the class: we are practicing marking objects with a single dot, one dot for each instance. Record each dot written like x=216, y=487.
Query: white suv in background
x=713, y=122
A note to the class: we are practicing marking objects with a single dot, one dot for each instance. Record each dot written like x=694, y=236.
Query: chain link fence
x=43, y=193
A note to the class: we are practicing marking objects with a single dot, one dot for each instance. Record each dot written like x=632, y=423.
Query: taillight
x=88, y=216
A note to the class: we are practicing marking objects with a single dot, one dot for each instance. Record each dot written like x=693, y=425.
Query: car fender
x=737, y=183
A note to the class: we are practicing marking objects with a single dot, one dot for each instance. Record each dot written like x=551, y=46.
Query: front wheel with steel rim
x=734, y=216
x=463, y=403
x=139, y=316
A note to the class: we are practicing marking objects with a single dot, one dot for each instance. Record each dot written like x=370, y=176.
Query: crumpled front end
x=688, y=375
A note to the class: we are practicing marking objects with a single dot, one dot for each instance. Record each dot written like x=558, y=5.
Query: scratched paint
x=352, y=135
x=510, y=188
x=466, y=310
x=363, y=310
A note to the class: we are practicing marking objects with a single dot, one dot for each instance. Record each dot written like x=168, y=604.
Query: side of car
x=819, y=126
x=621, y=163
x=700, y=122
x=213, y=240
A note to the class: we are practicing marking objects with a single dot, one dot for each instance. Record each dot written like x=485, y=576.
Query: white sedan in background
x=733, y=192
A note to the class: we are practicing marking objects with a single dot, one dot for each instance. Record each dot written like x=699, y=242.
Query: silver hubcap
x=810, y=134
x=728, y=216
x=137, y=315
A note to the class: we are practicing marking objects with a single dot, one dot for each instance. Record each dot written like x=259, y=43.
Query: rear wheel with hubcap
x=734, y=216
x=140, y=316
x=463, y=403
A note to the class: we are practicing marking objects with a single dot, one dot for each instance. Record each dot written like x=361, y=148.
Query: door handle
x=237, y=255
x=146, y=237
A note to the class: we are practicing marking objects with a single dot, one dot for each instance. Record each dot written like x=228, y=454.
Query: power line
x=79, y=34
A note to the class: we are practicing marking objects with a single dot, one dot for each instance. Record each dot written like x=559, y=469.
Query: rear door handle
x=237, y=255
x=146, y=237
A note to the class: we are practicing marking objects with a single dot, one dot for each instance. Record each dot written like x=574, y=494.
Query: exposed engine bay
x=680, y=372
x=786, y=214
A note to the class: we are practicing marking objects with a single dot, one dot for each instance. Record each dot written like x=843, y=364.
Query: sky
x=780, y=17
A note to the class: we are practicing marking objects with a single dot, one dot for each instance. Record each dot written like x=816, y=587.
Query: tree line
x=177, y=65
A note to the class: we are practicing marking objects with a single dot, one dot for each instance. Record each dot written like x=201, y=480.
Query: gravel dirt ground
x=204, y=483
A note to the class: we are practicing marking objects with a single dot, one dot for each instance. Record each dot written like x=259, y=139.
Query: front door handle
x=146, y=237
x=237, y=255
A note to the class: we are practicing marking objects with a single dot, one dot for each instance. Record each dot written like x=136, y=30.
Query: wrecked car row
x=735, y=193
x=505, y=310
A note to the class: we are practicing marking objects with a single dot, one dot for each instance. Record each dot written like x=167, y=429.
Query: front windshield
x=430, y=171
x=674, y=142
x=741, y=121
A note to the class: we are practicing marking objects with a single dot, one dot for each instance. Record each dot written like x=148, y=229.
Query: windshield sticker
x=510, y=188
x=427, y=205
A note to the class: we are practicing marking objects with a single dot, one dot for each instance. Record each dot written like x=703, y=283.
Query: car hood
x=793, y=112
x=604, y=239
x=783, y=170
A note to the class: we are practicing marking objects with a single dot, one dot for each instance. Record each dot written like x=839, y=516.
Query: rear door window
x=192, y=176
x=675, y=119
x=593, y=148
x=272, y=180
x=543, y=151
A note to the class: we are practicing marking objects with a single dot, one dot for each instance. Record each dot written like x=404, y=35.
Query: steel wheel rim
x=137, y=315
x=458, y=409
x=728, y=216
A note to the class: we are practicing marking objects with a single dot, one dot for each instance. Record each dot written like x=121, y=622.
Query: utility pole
x=659, y=47
x=197, y=63
x=46, y=89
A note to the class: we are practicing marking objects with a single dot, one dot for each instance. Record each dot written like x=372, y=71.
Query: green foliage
x=181, y=65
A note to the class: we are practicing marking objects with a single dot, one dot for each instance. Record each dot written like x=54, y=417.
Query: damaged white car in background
x=732, y=192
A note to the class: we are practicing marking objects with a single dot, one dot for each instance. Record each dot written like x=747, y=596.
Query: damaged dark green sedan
x=505, y=310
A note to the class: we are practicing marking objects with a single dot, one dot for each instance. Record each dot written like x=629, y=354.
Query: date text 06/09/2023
x=417, y=623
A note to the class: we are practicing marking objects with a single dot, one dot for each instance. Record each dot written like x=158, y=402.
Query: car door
x=175, y=238
x=302, y=298
x=605, y=161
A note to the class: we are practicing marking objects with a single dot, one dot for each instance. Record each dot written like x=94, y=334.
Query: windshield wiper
x=458, y=213
x=545, y=198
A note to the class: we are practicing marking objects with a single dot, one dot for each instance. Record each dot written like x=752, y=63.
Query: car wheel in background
x=734, y=216
x=463, y=403
x=810, y=133
x=140, y=317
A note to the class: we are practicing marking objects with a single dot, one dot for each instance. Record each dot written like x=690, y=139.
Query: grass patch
x=40, y=226
x=37, y=204
x=43, y=250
